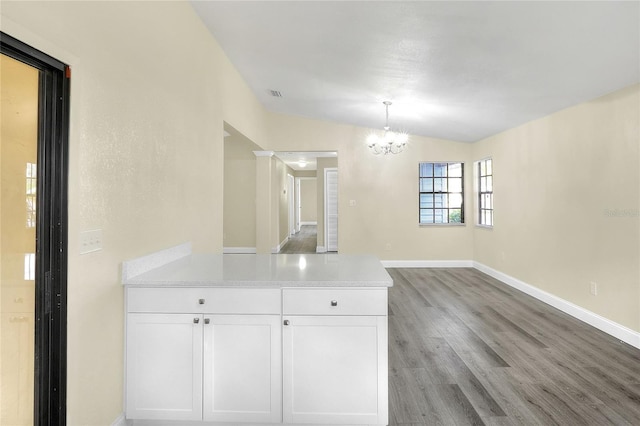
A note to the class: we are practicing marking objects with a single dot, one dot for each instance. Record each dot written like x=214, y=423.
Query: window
x=485, y=192
x=441, y=188
x=32, y=182
x=29, y=266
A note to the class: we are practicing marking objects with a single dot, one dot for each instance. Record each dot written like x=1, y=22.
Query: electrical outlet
x=90, y=241
x=594, y=288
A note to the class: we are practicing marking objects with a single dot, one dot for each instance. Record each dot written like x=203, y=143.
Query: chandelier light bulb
x=372, y=140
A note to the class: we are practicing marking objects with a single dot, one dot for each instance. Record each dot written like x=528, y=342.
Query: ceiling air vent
x=275, y=93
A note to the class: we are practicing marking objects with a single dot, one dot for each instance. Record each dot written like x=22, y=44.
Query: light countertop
x=254, y=270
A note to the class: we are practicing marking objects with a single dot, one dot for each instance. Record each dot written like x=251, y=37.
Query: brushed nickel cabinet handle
x=334, y=303
x=196, y=320
x=201, y=301
x=207, y=320
x=286, y=322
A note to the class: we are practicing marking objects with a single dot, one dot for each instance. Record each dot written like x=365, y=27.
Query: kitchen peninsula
x=294, y=339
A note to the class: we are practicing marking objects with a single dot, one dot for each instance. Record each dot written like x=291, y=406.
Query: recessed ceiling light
x=302, y=163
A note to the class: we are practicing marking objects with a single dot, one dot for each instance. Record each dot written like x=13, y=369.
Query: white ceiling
x=454, y=70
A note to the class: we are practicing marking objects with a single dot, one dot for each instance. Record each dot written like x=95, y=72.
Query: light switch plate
x=90, y=241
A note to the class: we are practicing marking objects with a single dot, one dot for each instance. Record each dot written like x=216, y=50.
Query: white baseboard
x=239, y=250
x=427, y=263
x=279, y=246
x=321, y=249
x=308, y=223
x=601, y=323
x=120, y=421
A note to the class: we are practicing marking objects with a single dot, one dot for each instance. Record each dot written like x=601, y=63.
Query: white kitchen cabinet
x=335, y=359
x=207, y=343
x=199, y=366
x=242, y=368
x=164, y=366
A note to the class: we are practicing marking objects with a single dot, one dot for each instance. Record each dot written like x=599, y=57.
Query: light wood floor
x=466, y=349
x=304, y=242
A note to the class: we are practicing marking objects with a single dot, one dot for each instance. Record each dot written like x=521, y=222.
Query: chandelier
x=390, y=142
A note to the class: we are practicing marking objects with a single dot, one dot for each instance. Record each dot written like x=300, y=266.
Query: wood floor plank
x=304, y=242
x=459, y=406
x=466, y=349
x=478, y=395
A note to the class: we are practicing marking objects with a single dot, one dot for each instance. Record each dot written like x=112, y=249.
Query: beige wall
x=308, y=200
x=266, y=199
x=304, y=173
x=146, y=158
x=239, y=191
x=567, y=206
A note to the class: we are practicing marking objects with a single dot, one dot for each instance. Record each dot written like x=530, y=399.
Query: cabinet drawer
x=334, y=301
x=204, y=300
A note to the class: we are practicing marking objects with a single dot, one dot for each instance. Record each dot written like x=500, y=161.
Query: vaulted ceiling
x=453, y=70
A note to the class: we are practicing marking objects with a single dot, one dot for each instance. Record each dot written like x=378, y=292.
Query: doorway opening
x=307, y=200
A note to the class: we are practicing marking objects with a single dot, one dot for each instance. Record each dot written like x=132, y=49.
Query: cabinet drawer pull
x=207, y=320
x=196, y=320
x=286, y=322
x=201, y=301
x=334, y=303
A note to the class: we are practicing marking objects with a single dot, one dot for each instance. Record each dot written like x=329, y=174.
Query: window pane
x=426, y=216
x=455, y=170
x=483, y=184
x=440, y=200
x=426, y=185
x=440, y=216
x=489, y=218
x=483, y=168
x=455, y=201
x=426, y=169
x=440, y=185
x=489, y=184
x=426, y=201
x=488, y=201
x=455, y=216
x=455, y=185
x=440, y=169
x=489, y=167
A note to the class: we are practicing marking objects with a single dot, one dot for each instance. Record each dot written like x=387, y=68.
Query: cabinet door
x=335, y=370
x=164, y=366
x=242, y=368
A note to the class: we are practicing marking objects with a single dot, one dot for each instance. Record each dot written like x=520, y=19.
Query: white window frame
x=420, y=192
x=488, y=195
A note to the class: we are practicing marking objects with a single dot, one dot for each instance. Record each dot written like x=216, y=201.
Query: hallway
x=304, y=242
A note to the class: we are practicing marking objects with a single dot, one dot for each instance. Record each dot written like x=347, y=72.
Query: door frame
x=326, y=207
x=291, y=202
x=50, y=384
